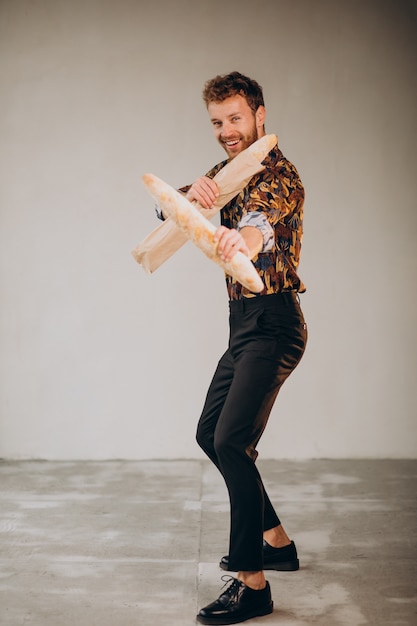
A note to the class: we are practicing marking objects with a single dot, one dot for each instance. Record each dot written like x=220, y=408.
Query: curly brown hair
x=221, y=87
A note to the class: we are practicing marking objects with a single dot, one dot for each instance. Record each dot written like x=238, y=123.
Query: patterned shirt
x=272, y=201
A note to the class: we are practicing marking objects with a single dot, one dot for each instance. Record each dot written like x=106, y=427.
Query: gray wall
x=100, y=360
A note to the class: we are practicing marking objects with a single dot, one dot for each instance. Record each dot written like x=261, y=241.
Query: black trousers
x=267, y=340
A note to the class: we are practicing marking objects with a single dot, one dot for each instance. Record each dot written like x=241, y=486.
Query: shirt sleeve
x=259, y=220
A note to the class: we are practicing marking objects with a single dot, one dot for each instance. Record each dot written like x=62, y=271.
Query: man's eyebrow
x=216, y=119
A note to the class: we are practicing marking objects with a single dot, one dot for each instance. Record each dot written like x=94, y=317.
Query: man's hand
x=249, y=241
x=205, y=191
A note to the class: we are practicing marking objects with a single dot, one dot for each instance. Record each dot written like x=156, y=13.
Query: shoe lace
x=232, y=591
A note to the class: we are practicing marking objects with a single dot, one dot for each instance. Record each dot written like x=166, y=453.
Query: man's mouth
x=231, y=143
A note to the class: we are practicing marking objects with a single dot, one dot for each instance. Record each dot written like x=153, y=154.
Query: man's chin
x=233, y=153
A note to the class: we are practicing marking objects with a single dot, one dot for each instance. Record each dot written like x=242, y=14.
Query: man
x=267, y=340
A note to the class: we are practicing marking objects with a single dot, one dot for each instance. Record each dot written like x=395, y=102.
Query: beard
x=245, y=140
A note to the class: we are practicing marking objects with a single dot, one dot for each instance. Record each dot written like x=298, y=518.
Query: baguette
x=197, y=228
x=167, y=238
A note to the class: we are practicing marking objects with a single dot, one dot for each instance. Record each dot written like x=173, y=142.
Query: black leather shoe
x=280, y=559
x=237, y=604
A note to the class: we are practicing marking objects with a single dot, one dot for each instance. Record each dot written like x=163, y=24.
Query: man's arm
x=248, y=240
x=205, y=190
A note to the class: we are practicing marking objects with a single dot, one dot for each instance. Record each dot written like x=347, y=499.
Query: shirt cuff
x=159, y=213
x=258, y=220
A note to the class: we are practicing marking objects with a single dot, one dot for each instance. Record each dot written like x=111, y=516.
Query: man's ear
x=260, y=116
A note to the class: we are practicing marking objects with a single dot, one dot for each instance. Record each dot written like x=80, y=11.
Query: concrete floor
x=137, y=543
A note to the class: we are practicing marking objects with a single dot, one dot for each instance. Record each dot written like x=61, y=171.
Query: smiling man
x=236, y=125
x=267, y=340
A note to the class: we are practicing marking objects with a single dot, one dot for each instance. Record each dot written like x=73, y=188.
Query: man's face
x=235, y=125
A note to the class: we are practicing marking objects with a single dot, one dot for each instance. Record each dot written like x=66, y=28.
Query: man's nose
x=226, y=129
